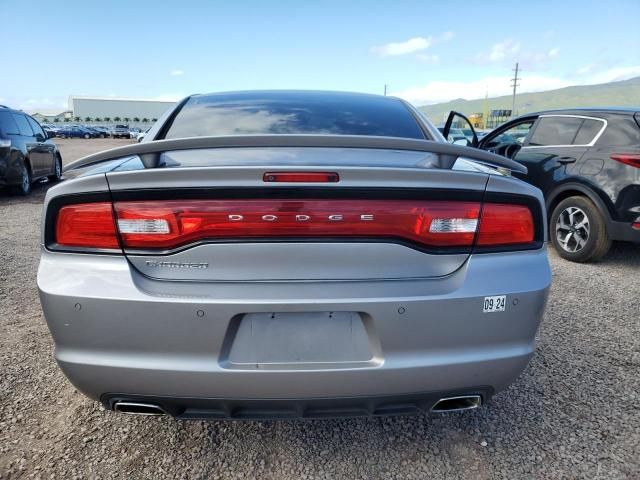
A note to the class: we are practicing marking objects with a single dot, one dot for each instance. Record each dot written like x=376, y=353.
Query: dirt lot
x=74, y=148
x=572, y=414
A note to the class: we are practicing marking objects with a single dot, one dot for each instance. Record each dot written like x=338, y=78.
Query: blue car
x=74, y=132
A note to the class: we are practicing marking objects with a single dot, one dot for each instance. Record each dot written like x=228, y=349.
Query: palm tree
x=126, y=119
x=88, y=119
x=107, y=119
x=116, y=119
x=76, y=119
x=56, y=120
x=145, y=120
x=98, y=119
x=136, y=119
x=154, y=119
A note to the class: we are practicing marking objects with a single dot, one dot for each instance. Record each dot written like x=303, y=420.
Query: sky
x=425, y=51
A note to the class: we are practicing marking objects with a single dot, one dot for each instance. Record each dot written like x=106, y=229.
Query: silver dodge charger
x=290, y=254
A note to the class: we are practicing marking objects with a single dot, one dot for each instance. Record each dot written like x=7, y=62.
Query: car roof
x=298, y=95
x=586, y=110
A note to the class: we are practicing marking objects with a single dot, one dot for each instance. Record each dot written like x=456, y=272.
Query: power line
x=514, y=84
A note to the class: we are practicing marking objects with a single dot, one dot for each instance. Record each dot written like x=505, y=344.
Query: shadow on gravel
x=38, y=191
x=622, y=253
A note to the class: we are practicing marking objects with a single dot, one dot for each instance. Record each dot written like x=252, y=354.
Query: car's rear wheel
x=578, y=230
x=57, y=170
x=24, y=188
x=86, y=135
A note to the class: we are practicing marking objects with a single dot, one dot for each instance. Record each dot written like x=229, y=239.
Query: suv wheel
x=25, y=183
x=578, y=230
x=57, y=171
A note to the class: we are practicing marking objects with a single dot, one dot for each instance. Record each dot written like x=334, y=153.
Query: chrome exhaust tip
x=457, y=404
x=136, y=408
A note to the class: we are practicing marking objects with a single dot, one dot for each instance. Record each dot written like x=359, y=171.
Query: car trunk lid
x=234, y=224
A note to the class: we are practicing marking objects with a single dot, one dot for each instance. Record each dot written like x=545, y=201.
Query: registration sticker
x=494, y=304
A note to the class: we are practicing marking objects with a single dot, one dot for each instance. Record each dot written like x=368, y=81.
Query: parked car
x=49, y=131
x=74, y=131
x=587, y=164
x=26, y=153
x=96, y=132
x=456, y=136
x=120, y=131
x=253, y=265
x=140, y=136
x=105, y=131
x=134, y=132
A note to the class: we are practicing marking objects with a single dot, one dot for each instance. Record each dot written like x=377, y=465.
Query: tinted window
x=37, y=130
x=7, y=124
x=23, y=125
x=588, y=131
x=622, y=131
x=555, y=131
x=293, y=113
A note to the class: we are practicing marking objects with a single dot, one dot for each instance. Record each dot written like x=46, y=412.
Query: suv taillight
x=632, y=159
x=168, y=224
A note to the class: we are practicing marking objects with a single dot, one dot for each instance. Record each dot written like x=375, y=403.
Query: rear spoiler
x=149, y=152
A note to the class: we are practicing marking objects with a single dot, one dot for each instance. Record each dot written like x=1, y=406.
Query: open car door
x=447, y=127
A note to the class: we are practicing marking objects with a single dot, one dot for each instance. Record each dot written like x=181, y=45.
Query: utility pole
x=485, y=112
x=514, y=84
x=386, y=86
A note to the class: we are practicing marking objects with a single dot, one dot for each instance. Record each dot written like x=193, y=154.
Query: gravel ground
x=572, y=414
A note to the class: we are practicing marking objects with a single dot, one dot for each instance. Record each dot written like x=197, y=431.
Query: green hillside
x=623, y=93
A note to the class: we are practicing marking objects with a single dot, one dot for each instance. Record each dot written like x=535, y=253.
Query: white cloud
x=586, y=69
x=176, y=72
x=509, y=51
x=615, y=74
x=412, y=45
x=441, y=91
x=499, y=52
x=428, y=58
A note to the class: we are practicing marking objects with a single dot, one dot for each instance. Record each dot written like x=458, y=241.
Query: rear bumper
x=186, y=408
x=121, y=335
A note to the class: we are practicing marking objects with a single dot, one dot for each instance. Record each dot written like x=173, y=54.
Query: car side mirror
x=462, y=141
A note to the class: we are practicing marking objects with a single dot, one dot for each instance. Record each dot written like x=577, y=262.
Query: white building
x=127, y=110
x=49, y=116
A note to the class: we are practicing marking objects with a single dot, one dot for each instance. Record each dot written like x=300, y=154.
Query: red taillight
x=632, y=159
x=504, y=224
x=169, y=224
x=298, y=177
x=88, y=225
x=635, y=225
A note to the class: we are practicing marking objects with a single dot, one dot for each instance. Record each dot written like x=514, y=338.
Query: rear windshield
x=293, y=113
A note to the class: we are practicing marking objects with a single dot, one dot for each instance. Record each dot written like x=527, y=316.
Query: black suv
x=587, y=164
x=26, y=152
